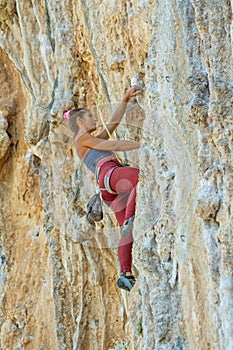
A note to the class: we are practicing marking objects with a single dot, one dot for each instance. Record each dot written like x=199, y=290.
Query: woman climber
x=116, y=182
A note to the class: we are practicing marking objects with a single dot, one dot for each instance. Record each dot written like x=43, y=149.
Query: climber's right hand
x=131, y=92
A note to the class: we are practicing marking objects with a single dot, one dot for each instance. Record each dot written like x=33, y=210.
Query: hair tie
x=66, y=115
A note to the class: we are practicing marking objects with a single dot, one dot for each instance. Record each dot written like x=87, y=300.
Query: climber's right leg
x=124, y=180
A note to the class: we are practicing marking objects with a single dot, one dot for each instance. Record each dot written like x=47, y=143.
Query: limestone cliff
x=58, y=275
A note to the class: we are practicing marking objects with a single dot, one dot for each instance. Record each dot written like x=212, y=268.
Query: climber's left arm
x=119, y=112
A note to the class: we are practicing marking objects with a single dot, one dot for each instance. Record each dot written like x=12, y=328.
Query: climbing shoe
x=126, y=282
x=127, y=228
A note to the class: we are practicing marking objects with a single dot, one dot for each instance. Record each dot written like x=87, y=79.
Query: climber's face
x=88, y=121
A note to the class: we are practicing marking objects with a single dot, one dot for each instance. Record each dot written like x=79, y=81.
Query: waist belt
x=99, y=165
x=107, y=175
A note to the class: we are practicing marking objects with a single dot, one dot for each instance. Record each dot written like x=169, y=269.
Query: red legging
x=123, y=181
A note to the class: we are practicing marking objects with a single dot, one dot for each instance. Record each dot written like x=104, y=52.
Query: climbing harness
x=99, y=165
x=107, y=180
x=107, y=175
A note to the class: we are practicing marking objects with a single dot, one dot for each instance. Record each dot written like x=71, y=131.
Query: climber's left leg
x=125, y=253
x=123, y=182
x=125, y=244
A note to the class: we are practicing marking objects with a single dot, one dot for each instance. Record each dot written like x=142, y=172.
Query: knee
x=133, y=176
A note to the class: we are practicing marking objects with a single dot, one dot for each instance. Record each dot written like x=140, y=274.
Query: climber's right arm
x=119, y=112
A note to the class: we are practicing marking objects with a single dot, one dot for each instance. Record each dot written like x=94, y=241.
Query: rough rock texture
x=57, y=274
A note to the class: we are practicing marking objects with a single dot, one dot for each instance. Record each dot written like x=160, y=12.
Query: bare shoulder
x=80, y=143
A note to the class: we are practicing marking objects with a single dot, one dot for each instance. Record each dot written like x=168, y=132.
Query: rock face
x=58, y=274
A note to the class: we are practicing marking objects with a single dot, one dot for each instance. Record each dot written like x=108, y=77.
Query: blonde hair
x=72, y=121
